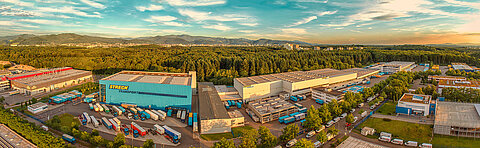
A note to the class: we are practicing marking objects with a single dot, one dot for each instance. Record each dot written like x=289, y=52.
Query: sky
x=314, y=21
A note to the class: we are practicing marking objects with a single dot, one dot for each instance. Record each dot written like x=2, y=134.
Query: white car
x=372, y=107
x=355, y=119
x=343, y=115
x=317, y=144
x=310, y=134
x=353, y=110
x=291, y=143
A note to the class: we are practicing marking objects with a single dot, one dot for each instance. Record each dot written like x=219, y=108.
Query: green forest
x=222, y=64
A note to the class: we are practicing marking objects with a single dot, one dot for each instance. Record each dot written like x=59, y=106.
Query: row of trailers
x=132, y=112
x=135, y=129
x=185, y=116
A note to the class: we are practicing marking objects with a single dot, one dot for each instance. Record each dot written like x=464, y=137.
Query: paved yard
x=357, y=143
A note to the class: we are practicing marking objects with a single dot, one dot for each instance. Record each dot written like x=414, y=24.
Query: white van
x=330, y=123
x=310, y=134
x=336, y=119
x=397, y=141
x=360, y=105
x=343, y=115
x=291, y=143
x=317, y=144
x=384, y=138
x=411, y=143
x=355, y=119
x=426, y=145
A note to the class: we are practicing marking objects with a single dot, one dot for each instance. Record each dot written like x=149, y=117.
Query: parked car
x=353, y=110
x=343, y=115
x=317, y=144
x=411, y=143
x=372, y=107
x=310, y=134
x=355, y=119
x=348, y=124
x=320, y=129
x=426, y=145
x=384, y=138
x=291, y=143
x=397, y=141
x=360, y=105
x=330, y=123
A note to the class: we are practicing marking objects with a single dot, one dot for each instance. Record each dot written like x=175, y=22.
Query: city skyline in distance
x=313, y=21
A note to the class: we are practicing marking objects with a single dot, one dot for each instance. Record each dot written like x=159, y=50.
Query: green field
x=452, y=141
x=67, y=119
x=388, y=108
x=236, y=130
x=399, y=129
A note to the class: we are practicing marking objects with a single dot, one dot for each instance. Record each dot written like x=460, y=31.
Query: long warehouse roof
x=49, y=77
x=152, y=77
x=211, y=107
x=457, y=114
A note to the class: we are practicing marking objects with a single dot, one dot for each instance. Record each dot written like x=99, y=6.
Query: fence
x=371, y=113
x=35, y=118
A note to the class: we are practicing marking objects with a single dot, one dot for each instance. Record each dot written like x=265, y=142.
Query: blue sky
x=316, y=21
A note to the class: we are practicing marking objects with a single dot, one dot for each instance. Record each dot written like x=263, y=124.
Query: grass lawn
x=236, y=130
x=452, y=141
x=67, y=119
x=387, y=109
x=399, y=129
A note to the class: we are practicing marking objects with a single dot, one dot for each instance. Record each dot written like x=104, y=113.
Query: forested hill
x=70, y=38
x=222, y=64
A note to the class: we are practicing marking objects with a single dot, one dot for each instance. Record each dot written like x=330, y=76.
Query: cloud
x=93, y=4
x=19, y=3
x=126, y=28
x=41, y=21
x=12, y=23
x=387, y=17
x=325, y=13
x=169, y=31
x=304, y=21
x=249, y=24
x=165, y=20
x=203, y=16
x=56, y=1
x=151, y=7
x=246, y=31
x=218, y=26
x=294, y=31
x=338, y=25
x=9, y=11
x=68, y=10
x=195, y=2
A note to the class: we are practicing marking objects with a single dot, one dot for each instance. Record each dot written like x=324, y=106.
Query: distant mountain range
x=71, y=38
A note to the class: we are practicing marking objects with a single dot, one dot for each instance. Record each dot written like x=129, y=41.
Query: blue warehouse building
x=156, y=90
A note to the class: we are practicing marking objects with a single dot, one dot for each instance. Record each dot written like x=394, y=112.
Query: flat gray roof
x=211, y=107
x=457, y=114
x=357, y=143
x=398, y=63
x=270, y=105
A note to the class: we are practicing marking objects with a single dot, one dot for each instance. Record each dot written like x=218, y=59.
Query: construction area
x=457, y=119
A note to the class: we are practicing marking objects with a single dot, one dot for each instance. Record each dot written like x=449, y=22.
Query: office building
x=416, y=104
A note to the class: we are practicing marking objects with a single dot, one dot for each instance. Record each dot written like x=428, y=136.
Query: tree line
x=218, y=64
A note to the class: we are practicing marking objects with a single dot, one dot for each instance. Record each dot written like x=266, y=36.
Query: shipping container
x=289, y=120
x=105, y=108
x=169, y=113
x=100, y=108
x=95, y=107
x=190, y=119
x=139, y=129
x=94, y=121
x=159, y=129
x=117, y=110
x=300, y=116
x=117, y=121
x=195, y=126
x=179, y=114
x=239, y=105
x=184, y=114
x=91, y=105
x=195, y=117
x=173, y=135
x=133, y=110
x=139, y=109
x=152, y=115
x=122, y=109
x=161, y=115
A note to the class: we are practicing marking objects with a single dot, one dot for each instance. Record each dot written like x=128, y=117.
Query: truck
x=159, y=129
x=116, y=111
x=161, y=115
x=133, y=110
x=364, y=113
x=183, y=117
x=195, y=123
x=94, y=121
x=144, y=114
x=239, y=105
x=293, y=98
x=282, y=118
x=152, y=115
x=100, y=108
x=139, y=109
x=139, y=129
x=300, y=116
x=69, y=138
x=179, y=114
x=115, y=126
x=172, y=135
x=117, y=121
x=122, y=109
x=106, y=123
x=105, y=108
x=124, y=129
x=302, y=110
x=91, y=106
x=95, y=107
x=190, y=118
x=397, y=141
x=169, y=113
x=86, y=118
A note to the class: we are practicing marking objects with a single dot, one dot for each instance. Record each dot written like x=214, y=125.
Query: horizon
x=396, y=22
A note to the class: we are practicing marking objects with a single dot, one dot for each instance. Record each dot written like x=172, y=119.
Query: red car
x=348, y=124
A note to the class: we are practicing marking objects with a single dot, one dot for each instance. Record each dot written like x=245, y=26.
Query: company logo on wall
x=119, y=87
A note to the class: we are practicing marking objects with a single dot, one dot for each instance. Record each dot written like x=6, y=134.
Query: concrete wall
x=261, y=90
x=308, y=84
x=343, y=78
x=214, y=126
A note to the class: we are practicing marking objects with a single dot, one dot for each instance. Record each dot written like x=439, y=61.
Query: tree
x=95, y=132
x=224, y=143
x=322, y=136
x=119, y=140
x=325, y=113
x=249, y=139
x=267, y=139
x=110, y=145
x=148, y=144
x=333, y=131
x=313, y=120
x=349, y=118
x=304, y=143
x=289, y=132
x=96, y=140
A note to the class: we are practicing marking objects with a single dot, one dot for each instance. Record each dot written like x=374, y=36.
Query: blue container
x=239, y=105
x=289, y=120
x=319, y=101
x=303, y=110
x=121, y=108
x=293, y=114
x=281, y=119
x=169, y=113
x=194, y=117
x=69, y=138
